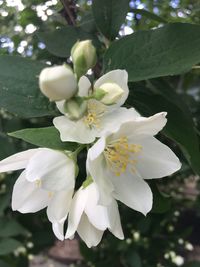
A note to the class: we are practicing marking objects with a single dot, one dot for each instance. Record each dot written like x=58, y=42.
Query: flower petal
x=27, y=197
x=133, y=191
x=54, y=169
x=84, y=86
x=74, y=131
x=58, y=229
x=119, y=77
x=76, y=210
x=60, y=106
x=142, y=126
x=115, y=222
x=98, y=170
x=151, y=125
x=59, y=205
x=112, y=121
x=90, y=235
x=156, y=160
x=97, y=214
x=96, y=150
x=17, y=161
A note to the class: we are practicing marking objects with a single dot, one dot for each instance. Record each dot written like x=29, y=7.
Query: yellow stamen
x=94, y=112
x=119, y=155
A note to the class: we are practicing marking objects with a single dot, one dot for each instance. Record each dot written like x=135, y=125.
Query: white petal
x=90, y=235
x=76, y=210
x=58, y=229
x=59, y=205
x=133, y=191
x=112, y=121
x=151, y=125
x=74, y=131
x=60, y=106
x=54, y=169
x=143, y=126
x=156, y=160
x=119, y=77
x=84, y=86
x=115, y=222
x=96, y=150
x=17, y=161
x=98, y=170
x=27, y=197
x=97, y=214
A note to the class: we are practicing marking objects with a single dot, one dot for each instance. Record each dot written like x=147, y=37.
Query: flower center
x=119, y=154
x=94, y=112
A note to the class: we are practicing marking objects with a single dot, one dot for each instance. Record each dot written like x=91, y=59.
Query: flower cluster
x=122, y=153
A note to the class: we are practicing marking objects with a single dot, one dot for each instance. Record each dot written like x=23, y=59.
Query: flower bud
x=58, y=82
x=75, y=108
x=112, y=93
x=83, y=56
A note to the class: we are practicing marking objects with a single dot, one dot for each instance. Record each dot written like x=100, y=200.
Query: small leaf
x=43, y=137
x=109, y=15
x=19, y=91
x=168, y=50
x=8, y=245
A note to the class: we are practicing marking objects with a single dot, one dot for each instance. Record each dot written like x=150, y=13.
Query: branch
x=70, y=18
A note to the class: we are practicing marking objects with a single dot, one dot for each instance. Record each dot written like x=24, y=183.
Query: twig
x=65, y=4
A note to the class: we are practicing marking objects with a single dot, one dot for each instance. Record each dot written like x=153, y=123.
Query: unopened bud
x=58, y=83
x=112, y=91
x=83, y=56
x=75, y=108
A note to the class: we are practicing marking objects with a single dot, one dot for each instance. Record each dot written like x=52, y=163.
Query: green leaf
x=169, y=50
x=88, y=23
x=109, y=15
x=192, y=264
x=133, y=259
x=161, y=202
x=43, y=137
x=19, y=91
x=4, y=202
x=10, y=228
x=7, y=147
x=179, y=127
x=148, y=14
x=60, y=41
x=4, y=264
x=8, y=245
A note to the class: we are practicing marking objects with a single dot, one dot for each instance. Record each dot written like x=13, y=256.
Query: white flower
x=58, y=82
x=89, y=219
x=98, y=117
x=120, y=161
x=47, y=181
